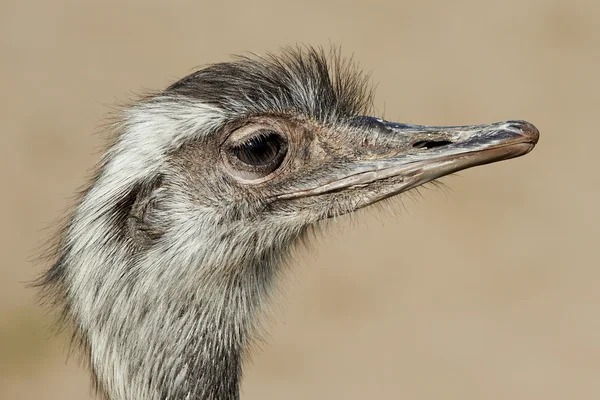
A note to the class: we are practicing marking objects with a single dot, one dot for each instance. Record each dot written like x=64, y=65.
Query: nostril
x=429, y=144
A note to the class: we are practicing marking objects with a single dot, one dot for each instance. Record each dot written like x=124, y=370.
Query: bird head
x=171, y=249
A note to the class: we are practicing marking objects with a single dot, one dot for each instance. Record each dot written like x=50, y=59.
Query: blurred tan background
x=490, y=290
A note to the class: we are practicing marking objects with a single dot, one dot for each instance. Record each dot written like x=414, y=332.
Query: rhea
x=173, y=248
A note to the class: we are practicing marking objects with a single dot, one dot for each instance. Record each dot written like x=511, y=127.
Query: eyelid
x=260, y=133
x=242, y=133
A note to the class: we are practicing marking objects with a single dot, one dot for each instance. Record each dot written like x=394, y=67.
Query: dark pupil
x=260, y=150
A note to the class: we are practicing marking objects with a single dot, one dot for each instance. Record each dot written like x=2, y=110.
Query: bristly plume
x=302, y=80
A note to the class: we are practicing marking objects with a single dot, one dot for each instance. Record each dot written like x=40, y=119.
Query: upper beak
x=442, y=150
x=406, y=156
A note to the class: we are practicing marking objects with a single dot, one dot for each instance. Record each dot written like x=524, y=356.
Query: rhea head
x=172, y=249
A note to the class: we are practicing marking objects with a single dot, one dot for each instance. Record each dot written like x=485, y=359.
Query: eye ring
x=258, y=155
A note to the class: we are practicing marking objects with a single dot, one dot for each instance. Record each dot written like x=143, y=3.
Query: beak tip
x=528, y=131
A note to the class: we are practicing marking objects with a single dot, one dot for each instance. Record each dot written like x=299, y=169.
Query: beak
x=395, y=157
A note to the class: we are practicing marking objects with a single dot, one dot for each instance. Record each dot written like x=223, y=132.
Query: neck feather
x=151, y=339
x=171, y=321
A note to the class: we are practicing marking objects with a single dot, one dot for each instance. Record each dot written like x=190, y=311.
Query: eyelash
x=260, y=150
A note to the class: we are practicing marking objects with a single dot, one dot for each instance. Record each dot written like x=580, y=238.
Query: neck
x=155, y=347
x=165, y=324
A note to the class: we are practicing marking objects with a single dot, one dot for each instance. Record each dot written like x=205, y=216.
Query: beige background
x=490, y=290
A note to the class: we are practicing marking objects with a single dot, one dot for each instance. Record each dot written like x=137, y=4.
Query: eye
x=260, y=150
x=258, y=155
